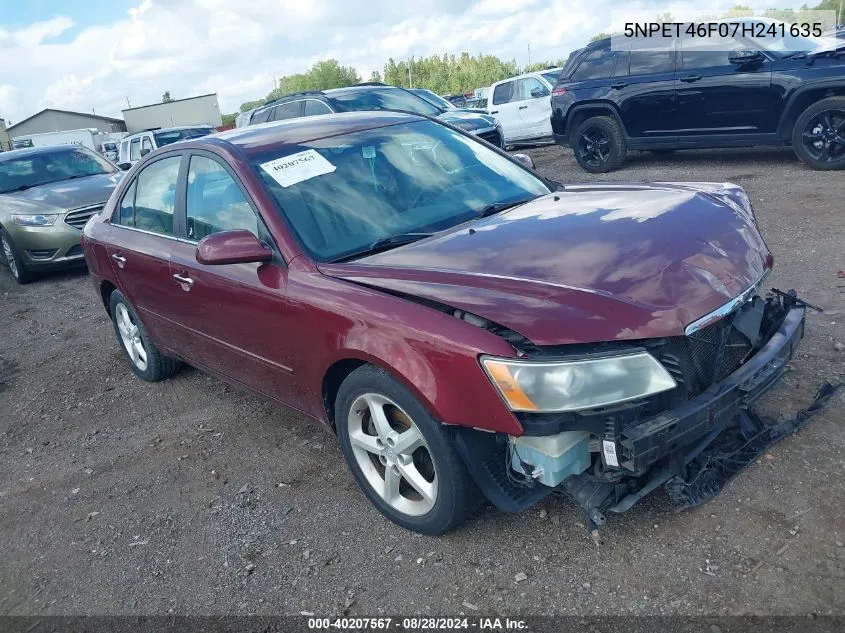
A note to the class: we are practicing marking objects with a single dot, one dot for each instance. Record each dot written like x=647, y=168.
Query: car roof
x=34, y=151
x=175, y=128
x=258, y=138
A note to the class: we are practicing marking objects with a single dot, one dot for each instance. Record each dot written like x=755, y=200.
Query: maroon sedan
x=468, y=328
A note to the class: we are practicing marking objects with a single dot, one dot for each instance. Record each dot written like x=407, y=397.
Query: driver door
x=534, y=107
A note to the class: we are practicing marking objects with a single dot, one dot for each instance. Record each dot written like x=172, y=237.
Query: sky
x=102, y=55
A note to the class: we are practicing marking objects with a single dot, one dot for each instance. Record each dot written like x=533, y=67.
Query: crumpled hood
x=63, y=195
x=595, y=262
x=468, y=120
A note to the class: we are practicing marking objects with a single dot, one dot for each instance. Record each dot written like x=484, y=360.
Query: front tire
x=147, y=362
x=818, y=136
x=13, y=259
x=400, y=456
x=599, y=145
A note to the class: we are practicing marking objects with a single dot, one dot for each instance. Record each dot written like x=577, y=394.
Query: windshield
x=384, y=99
x=346, y=192
x=32, y=170
x=432, y=98
x=171, y=136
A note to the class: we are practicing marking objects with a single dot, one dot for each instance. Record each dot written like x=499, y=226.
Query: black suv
x=685, y=94
x=373, y=96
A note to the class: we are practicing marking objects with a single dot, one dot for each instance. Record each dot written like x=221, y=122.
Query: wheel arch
x=802, y=99
x=106, y=290
x=581, y=112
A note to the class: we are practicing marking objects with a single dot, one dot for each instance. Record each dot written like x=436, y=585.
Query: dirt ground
x=189, y=496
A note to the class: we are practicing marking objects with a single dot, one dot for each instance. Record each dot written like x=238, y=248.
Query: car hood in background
x=468, y=120
x=63, y=195
x=592, y=263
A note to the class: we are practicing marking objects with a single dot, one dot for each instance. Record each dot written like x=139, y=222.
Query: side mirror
x=124, y=166
x=745, y=56
x=232, y=247
x=525, y=159
x=536, y=93
x=145, y=151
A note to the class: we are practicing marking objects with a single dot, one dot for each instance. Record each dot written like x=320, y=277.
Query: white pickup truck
x=523, y=107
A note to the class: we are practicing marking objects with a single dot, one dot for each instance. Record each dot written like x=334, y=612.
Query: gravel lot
x=189, y=496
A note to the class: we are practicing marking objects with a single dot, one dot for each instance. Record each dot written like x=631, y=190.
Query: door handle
x=494, y=112
x=523, y=107
x=690, y=78
x=619, y=84
x=119, y=259
x=182, y=279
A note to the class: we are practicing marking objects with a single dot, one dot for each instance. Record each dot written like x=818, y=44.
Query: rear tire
x=599, y=145
x=13, y=259
x=147, y=362
x=374, y=446
x=818, y=136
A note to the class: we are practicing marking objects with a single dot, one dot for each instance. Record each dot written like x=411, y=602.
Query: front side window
x=135, y=149
x=287, y=111
x=149, y=202
x=504, y=93
x=384, y=99
x=529, y=84
x=706, y=52
x=146, y=144
x=214, y=201
x=596, y=65
x=51, y=166
x=314, y=107
x=343, y=193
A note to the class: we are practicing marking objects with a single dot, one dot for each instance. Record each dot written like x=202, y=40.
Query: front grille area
x=706, y=357
x=79, y=217
x=493, y=137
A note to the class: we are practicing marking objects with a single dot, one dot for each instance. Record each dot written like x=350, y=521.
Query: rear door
x=503, y=105
x=717, y=98
x=644, y=89
x=229, y=312
x=142, y=234
x=534, y=107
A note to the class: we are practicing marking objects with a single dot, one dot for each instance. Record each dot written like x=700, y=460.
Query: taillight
x=559, y=92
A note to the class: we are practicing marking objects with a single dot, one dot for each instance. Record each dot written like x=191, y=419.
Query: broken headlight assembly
x=577, y=384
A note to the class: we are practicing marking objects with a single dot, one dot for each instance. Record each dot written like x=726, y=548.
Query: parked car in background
x=110, y=151
x=465, y=326
x=47, y=195
x=373, y=96
x=521, y=104
x=459, y=101
x=134, y=146
x=433, y=98
x=692, y=94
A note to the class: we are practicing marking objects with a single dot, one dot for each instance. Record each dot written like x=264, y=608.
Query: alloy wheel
x=824, y=136
x=392, y=454
x=594, y=147
x=10, y=258
x=131, y=337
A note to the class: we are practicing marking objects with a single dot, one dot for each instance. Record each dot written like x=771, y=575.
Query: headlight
x=576, y=384
x=34, y=219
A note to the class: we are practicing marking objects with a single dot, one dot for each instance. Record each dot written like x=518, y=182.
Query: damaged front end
x=691, y=438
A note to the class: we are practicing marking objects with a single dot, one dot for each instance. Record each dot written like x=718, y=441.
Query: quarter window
x=596, y=65
x=503, y=93
x=149, y=202
x=215, y=202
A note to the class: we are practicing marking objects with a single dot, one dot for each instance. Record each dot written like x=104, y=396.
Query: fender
x=792, y=111
x=604, y=106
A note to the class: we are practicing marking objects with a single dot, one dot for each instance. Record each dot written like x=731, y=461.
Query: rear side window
x=503, y=93
x=150, y=201
x=287, y=111
x=215, y=202
x=598, y=64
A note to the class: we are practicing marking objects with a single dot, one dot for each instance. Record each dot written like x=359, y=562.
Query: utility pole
x=128, y=105
x=410, y=79
x=529, y=53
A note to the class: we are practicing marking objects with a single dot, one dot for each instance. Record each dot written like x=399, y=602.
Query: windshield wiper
x=384, y=244
x=498, y=207
x=83, y=175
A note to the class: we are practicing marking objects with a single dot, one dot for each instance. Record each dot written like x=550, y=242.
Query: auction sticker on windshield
x=290, y=170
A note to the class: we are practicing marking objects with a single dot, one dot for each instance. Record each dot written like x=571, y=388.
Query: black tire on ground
x=13, y=260
x=457, y=497
x=157, y=366
x=599, y=145
x=818, y=136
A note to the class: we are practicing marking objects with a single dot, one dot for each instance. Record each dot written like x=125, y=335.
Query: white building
x=190, y=111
